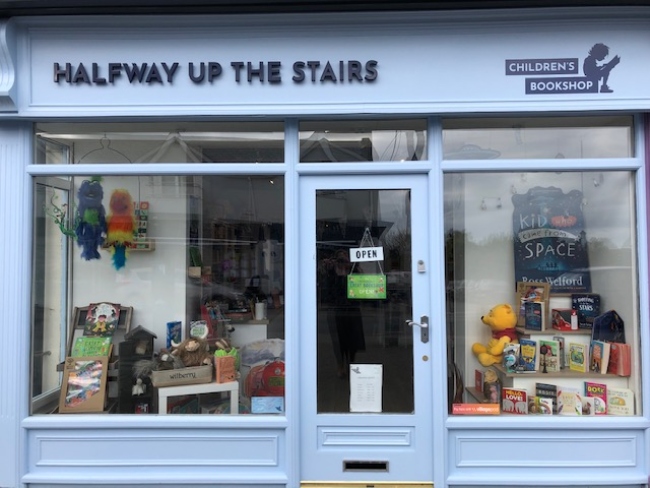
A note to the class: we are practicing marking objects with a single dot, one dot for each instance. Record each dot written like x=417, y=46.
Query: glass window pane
x=360, y=331
x=50, y=293
x=574, y=232
x=362, y=140
x=538, y=138
x=233, y=142
x=150, y=261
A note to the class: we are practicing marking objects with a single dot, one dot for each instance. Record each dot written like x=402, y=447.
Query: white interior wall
x=152, y=282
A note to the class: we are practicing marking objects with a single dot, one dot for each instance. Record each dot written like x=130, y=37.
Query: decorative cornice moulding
x=7, y=68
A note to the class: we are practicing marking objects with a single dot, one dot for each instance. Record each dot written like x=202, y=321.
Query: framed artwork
x=83, y=389
x=531, y=291
x=80, y=320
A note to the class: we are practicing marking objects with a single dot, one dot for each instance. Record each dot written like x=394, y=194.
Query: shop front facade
x=333, y=249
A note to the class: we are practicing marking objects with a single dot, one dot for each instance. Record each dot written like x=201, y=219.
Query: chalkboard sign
x=550, y=242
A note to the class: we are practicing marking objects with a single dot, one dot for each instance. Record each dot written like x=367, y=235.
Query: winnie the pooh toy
x=502, y=319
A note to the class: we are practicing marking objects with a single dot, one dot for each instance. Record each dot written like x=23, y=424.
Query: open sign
x=366, y=254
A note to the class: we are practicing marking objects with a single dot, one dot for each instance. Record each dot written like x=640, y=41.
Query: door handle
x=424, y=327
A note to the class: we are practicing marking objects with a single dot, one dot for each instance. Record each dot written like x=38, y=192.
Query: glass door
x=366, y=399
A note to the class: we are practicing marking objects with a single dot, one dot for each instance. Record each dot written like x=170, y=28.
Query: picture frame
x=79, y=322
x=537, y=291
x=83, y=389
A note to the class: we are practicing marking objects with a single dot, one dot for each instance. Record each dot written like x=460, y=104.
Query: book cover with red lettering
x=597, y=391
x=514, y=400
x=620, y=359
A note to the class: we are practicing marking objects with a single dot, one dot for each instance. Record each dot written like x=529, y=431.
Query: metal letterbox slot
x=365, y=466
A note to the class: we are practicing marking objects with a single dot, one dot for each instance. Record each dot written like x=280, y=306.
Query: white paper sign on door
x=366, y=382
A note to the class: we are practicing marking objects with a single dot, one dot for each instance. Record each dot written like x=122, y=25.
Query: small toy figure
x=91, y=218
x=139, y=388
x=121, y=226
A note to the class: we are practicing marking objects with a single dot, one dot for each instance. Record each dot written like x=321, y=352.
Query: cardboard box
x=183, y=376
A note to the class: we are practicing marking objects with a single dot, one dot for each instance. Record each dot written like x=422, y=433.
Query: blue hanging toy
x=91, y=218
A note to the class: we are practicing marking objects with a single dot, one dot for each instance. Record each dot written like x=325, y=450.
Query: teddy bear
x=193, y=352
x=502, y=320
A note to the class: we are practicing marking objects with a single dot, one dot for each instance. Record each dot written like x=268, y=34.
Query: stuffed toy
x=193, y=352
x=90, y=219
x=162, y=361
x=502, y=320
x=121, y=226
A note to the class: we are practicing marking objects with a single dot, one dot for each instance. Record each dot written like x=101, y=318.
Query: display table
x=165, y=392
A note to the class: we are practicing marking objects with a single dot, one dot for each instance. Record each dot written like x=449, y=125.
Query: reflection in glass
x=538, y=138
x=369, y=331
x=366, y=140
x=186, y=142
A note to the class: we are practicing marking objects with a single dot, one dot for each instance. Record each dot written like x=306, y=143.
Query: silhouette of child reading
x=596, y=72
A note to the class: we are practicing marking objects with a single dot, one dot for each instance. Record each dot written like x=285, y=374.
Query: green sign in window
x=366, y=286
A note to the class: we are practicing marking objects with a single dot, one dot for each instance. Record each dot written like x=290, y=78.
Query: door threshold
x=365, y=484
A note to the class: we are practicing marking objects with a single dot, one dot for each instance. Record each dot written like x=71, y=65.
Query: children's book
x=588, y=307
x=588, y=405
x=564, y=363
x=620, y=401
x=599, y=357
x=549, y=391
x=608, y=327
x=549, y=358
x=511, y=357
x=569, y=401
x=514, y=400
x=531, y=291
x=561, y=318
x=598, y=391
x=92, y=346
x=174, y=333
x=527, y=355
x=534, y=315
x=620, y=359
x=101, y=319
x=578, y=357
x=540, y=405
x=478, y=379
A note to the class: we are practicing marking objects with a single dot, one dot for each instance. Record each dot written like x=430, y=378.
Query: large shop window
x=158, y=294
x=541, y=275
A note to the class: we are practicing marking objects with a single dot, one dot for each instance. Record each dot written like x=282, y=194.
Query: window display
x=549, y=324
x=157, y=286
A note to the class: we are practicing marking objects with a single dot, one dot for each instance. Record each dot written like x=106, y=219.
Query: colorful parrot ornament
x=121, y=226
x=90, y=227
